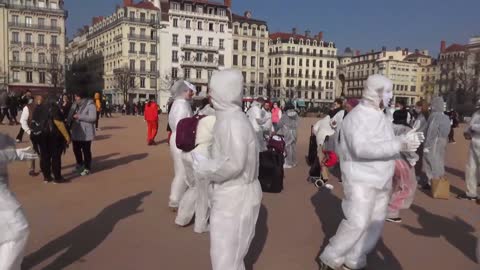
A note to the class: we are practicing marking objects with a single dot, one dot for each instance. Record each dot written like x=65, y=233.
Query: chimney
x=384, y=49
x=127, y=3
x=320, y=35
x=443, y=46
x=307, y=33
x=228, y=3
x=294, y=31
x=357, y=53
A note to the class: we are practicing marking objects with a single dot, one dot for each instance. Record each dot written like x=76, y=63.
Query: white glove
x=426, y=150
x=412, y=141
x=26, y=154
x=412, y=163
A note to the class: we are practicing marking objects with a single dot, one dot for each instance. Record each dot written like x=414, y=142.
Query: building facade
x=250, y=53
x=32, y=45
x=302, y=68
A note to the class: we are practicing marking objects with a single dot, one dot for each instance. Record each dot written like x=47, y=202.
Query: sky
x=359, y=24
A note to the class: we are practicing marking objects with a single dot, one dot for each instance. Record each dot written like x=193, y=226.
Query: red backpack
x=187, y=132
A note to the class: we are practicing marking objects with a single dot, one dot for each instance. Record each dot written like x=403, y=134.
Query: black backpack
x=42, y=121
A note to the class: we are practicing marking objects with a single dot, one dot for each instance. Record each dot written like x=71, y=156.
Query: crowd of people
x=383, y=153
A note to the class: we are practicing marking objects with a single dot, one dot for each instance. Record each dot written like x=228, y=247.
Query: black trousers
x=51, y=148
x=20, y=134
x=83, y=153
x=5, y=112
x=451, y=135
x=96, y=121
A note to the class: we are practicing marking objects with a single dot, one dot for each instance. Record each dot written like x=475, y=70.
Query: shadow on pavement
x=112, y=128
x=164, y=141
x=102, y=137
x=112, y=163
x=455, y=172
x=83, y=239
x=329, y=210
x=456, y=231
x=95, y=160
x=258, y=242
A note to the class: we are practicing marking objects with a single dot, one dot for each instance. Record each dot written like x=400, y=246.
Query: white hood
x=226, y=90
x=376, y=87
x=322, y=129
x=180, y=87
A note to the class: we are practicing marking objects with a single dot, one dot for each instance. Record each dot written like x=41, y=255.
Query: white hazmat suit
x=195, y=199
x=367, y=149
x=181, y=108
x=233, y=170
x=14, y=229
x=258, y=118
x=472, y=172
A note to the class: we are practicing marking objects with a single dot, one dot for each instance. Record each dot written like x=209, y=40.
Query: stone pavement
x=117, y=218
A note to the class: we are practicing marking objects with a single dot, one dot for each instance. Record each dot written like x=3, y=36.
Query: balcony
x=57, y=11
x=54, y=46
x=118, y=37
x=16, y=42
x=142, y=38
x=132, y=53
x=41, y=45
x=142, y=53
x=198, y=80
x=146, y=72
x=28, y=44
x=199, y=64
x=30, y=26
x=197, y=47
x=29, y=64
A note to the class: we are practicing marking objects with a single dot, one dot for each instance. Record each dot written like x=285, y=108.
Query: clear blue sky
x=360, y=24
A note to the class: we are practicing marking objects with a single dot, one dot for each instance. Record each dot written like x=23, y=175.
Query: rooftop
x=144, y=5
x=243, y=18
x=455, y=48
x=287, y=36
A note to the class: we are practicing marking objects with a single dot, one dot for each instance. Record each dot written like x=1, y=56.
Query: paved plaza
x=117, y=217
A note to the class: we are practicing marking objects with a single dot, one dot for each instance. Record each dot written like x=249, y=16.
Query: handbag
x=441, y=188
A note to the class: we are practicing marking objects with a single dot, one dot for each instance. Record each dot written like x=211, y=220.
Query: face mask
x=387, y=96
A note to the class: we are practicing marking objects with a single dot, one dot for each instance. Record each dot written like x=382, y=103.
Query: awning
x=300, y=103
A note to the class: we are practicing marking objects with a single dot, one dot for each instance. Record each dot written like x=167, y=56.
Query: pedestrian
x=336, y=118
x=287, y=127
x=81, y=120
x=276, y=115
x=268, y=126
x=124, y=109
x=98, y=107
x=169, y=130
x=65, y=106
x=4, y=107
x=404, y=180
x=257, y=118
x=233, y=169
x=182, y=92
x=454, y=124
x=13, y=109
x=195, y=200
x=151, y=117
x=367, y=149
x=24, y=101
x=322, y=131
x=472, y=171
x=14, y=229
x=422, y=111
x=25, y=122
x=206, y=108
x=435, y=145
x=49, y=132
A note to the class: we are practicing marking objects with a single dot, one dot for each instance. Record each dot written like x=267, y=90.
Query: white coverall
x=181, y=109
x=14, y=229
x=233, y=170
x=472, y=172
x=367, y=149
x=257, y=117
x=195, y=199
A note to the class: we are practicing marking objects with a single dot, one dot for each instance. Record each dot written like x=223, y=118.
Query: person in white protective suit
x=258, y=119
x=182, y=92
x=14, y=229
x=367, y=150
x=472, y=172
x=268, y=126
x=233, y=169
x=195, y=199
x=287, y=127
x=436, y=142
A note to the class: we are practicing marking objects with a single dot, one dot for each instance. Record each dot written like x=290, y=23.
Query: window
x=132, y=82
x=132, y=65
x=199, y=73
x=28, y=38
x=15, y=76
x=235, y=30
x=210, y=27
x=132, y=47
x=222, y=28
x=153, y=83
x=262, y=62
x=41, y=76
x=153, y=49
x=16, y=37
x=221, y=59
x=187, y=73
x=54, y=58
x=16, y=56
x=244, y=45
x=198, y=58
x=28, y=21
x=262, y=47
x=132, y=14
x=41, y=39
x=41, y=21
x=254, y=46
x=142, y=48
x=132, y=30
x=142, y=66
x=210, y=58
x=174, y=73
x=153, y=18
x=54, y=40
x=210, y=42
x=142, y=32
x=244, y=61
x=245, y=30
x=413, y=88
x=199, y=41
x=188, y=8
x=221, y=44
x=28, y=57
x=199, y=26
x=175, y=56
x=53, y=23
x=235, y=60
x=153, y=66
x=29, y=76
x=187, y=56
x=254, y=32
x=175, y=40
x=262, y=76
x=187, y=39
x=187, y=24
x=142, y=82
x=253, y=61
x=235, y=45
x=175, y=22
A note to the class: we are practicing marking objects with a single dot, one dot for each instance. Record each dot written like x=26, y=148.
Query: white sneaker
x=85, y=172
x=18, y=141
x=285, y=166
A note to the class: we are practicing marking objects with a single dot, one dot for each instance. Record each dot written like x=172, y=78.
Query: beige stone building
x=32, y=45
x=302, y=68
x=250, y=53
x=427, y=74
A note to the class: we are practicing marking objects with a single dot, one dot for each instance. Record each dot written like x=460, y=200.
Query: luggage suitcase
x=271, y=171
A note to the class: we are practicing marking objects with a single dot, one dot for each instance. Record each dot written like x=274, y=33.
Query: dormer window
x=291, y=40
x=188, y=8
x=175, y=6
x=308, y=42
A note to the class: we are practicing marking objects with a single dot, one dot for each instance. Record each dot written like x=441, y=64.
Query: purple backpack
x=187, y=132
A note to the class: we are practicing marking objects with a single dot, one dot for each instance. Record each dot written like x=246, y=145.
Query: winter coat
x=83, y=129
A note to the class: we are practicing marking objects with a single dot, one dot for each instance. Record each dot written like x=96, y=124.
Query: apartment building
x=250, y=53
x=197, y=41
x=302, y=67
x=427, y=73
x=32, y=45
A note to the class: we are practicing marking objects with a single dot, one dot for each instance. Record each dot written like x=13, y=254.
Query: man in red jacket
x=151, y=117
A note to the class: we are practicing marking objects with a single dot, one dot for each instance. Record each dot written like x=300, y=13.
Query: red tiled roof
x=455, y=48
x=144, y=5
x=287, y=36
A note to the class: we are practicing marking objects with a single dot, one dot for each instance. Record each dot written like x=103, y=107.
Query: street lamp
x=157, y=26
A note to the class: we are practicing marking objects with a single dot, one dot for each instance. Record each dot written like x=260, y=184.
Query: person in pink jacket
x=276, y=115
